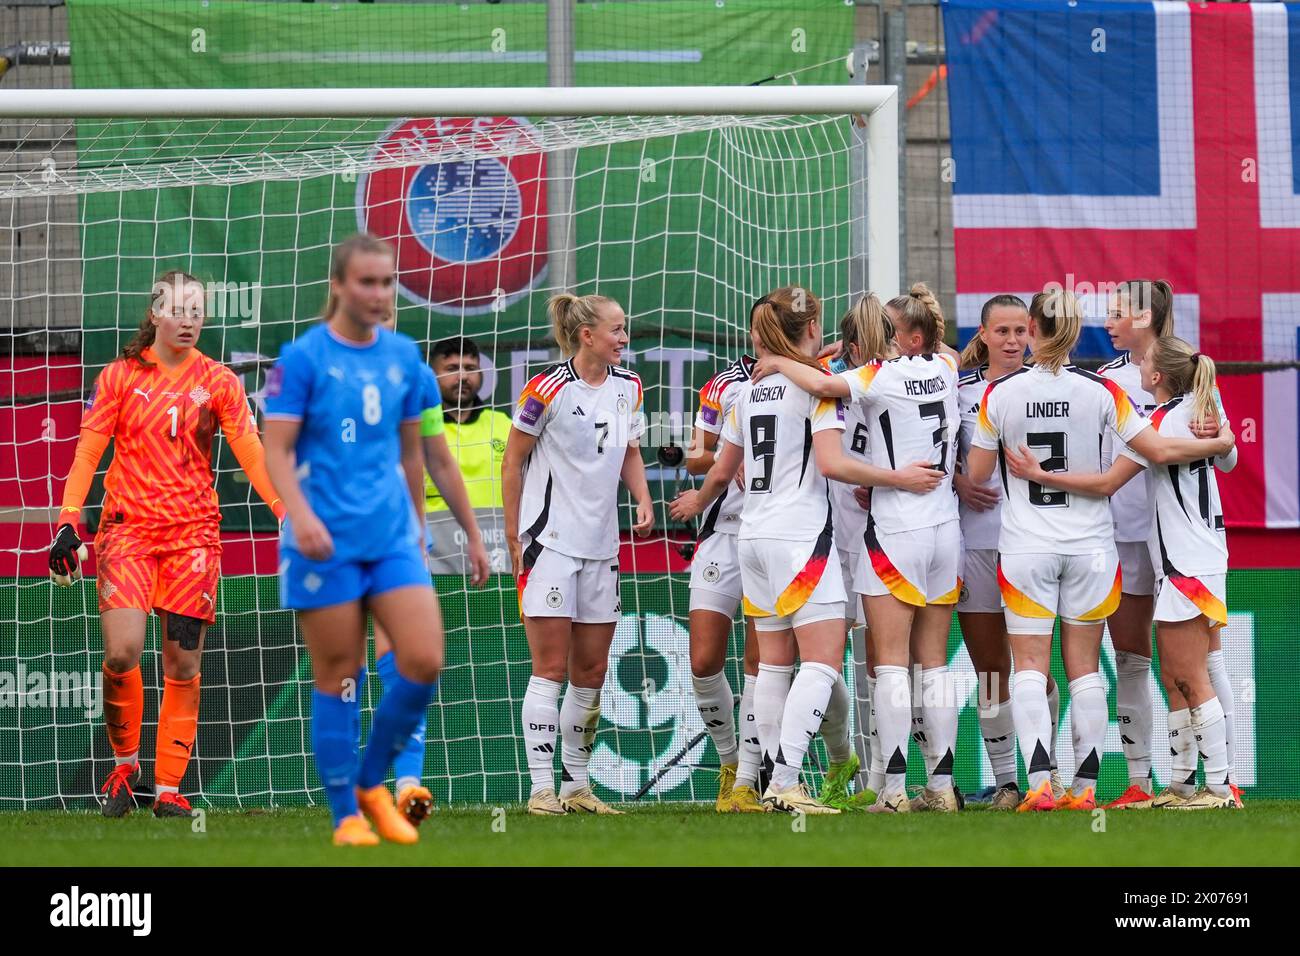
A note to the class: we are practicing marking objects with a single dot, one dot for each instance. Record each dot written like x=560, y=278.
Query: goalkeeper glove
x=66, y=554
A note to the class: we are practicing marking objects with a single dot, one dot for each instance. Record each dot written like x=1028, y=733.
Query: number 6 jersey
x=570, y=496
x=1062, y=417
x=786, y=497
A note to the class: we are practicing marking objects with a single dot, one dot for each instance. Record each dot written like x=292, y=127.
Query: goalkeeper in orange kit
x=159, y=545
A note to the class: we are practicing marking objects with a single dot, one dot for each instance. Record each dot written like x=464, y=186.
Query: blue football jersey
x=352, y=400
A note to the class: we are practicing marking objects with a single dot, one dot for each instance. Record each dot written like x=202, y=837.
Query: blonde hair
x=1058, y=319
x=867, y=326
x=976, y=352
x=1154, y=294
x=1183, y=370
x=570, y=314
x=918, y=311
x=778, y=320
x=361, y=243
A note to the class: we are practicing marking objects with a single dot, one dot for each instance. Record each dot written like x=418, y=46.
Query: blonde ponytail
x=919, y=311
x=569, y=313
x=867, y=325
x=1058, y=320
x=1183, y=370
x=779, y=318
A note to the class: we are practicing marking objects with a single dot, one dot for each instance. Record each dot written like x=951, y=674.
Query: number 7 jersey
x=910, y=407
x=570, y=496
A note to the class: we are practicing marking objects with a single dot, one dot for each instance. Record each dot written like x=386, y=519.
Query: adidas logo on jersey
x=577, y=410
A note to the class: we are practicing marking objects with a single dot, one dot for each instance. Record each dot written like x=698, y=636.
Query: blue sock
x=396, y=717
x=410, y=759
x=332, y=743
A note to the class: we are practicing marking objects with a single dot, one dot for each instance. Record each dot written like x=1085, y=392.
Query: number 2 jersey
x=786, y=497
x=570, y=496
x=717, y=398
x=910, y=408
x=1187, y=537
x=1062, y=416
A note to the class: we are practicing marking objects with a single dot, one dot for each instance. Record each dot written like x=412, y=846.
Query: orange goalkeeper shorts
x=157, y=576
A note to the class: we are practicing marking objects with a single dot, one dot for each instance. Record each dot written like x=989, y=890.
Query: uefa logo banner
x=470, y=231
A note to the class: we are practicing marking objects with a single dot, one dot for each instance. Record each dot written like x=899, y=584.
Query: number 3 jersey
x=1062, y=417
x=570, y=496
x=786, y=497
x=910, y=407
x=1187, y=538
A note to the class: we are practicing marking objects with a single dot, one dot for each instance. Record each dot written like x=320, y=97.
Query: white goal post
x=877, y=104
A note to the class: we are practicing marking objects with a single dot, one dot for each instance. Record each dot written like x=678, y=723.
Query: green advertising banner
x=253, y=746
x=684, y=230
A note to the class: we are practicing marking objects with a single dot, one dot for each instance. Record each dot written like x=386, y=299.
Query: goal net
x=684, y=219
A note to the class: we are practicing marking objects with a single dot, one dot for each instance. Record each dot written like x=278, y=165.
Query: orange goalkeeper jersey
x=162, y=422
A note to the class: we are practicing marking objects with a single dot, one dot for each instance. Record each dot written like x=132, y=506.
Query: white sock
x=541, y=719
x=1210, y=728
x=579, y=717
x=1218, y=668
x=893, y=708
x=1033, y=721
x=717, y=709
x=1054, y=709
x=835, y=726
x=770, y=691
x=876, y=775
x=1182, y=750
x=751, y=754
x=129, y=759
x=805, y=708
x=1134, y=709
x=999, y=733
x=404, y=782
x=919, y=730
x=1088, y=722
x=939, y=704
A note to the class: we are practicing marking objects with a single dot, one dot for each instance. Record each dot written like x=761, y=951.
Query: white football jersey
x=1130, y=507
x=717, y=398
x=570, y=496
x=1187, y=537
x=979, y=529
x=1062, y=417
x=910, y=407
x=786, y=497
x=851, y=517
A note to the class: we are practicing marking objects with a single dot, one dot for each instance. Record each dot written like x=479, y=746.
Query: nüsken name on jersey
x=924, y=386
x=767, y=393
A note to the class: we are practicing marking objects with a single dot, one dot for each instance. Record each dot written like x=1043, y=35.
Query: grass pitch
x=1266, y=833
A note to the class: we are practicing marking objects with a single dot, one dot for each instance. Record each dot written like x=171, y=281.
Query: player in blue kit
x=343, y=408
